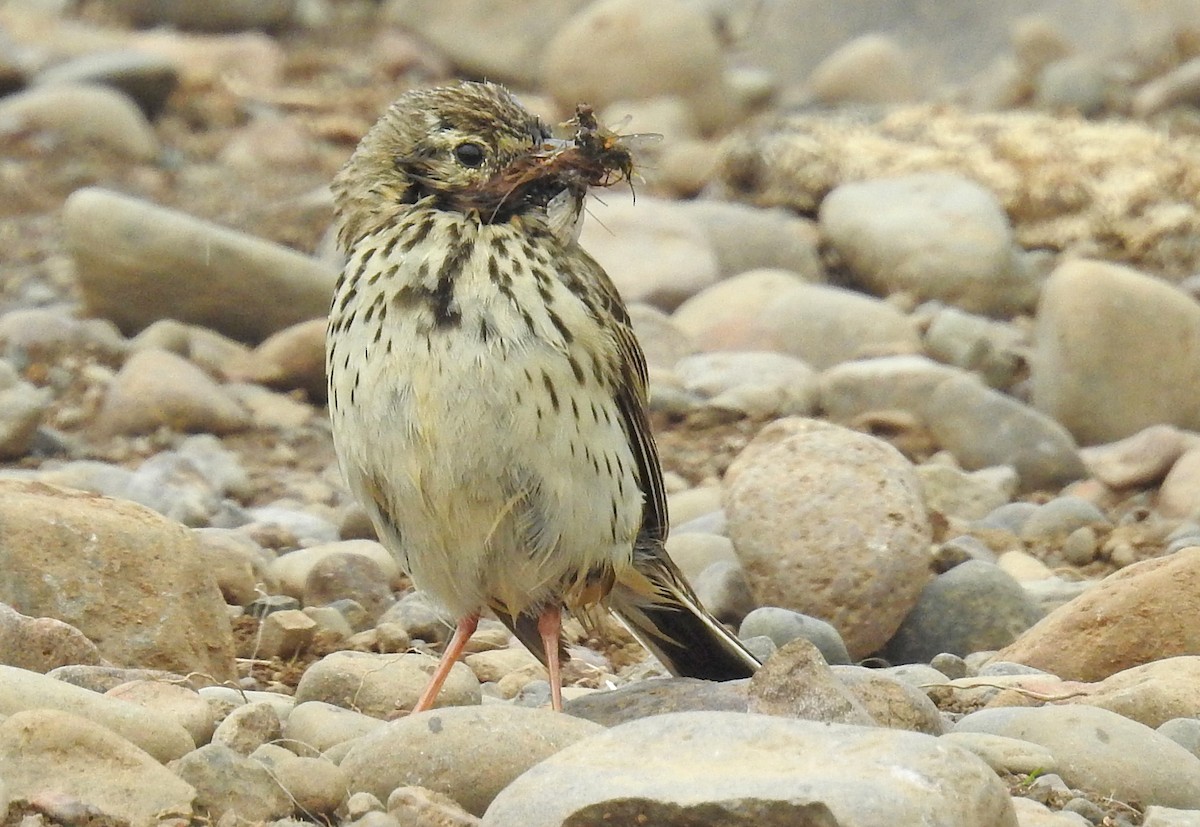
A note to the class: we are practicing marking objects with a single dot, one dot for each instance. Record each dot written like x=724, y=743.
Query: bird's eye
x=469, y=154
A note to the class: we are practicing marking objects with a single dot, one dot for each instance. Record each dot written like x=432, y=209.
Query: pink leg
x=462, y=632
x=550, y=628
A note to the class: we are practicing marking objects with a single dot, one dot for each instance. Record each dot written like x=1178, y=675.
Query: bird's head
x=451, y=147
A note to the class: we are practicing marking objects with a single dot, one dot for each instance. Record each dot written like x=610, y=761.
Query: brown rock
x=42, y=643
x=1138, y=460
x=1179, y=495
x=156, y=388
x=1143, y=613
x=796, y=682
x=126, y=577
x=292, y=358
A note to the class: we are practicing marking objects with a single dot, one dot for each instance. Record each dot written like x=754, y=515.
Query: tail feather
x=668, y=619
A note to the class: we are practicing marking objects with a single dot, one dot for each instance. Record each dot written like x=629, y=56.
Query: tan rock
x=128, y=578
x=1143, y=613
x=50, y=752
x=42, y=643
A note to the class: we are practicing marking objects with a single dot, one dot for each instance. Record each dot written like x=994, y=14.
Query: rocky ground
x=922, y=329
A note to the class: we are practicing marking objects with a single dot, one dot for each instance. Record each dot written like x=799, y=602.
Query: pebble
x=1139, y=460
x=932, y=235
x=285, y=634
x=869, y=69
x=248, y=727
x=22, y=407
x=61, y=754
x=509, y=48
x=982, y=428
x=48, y=333
x=783, y=626
x=797, y=683
x=103, y=678
x=1153, y=693
x=1128, y=349
x=1141, y=613
x=994, y=350
x=82, y=114
x=1081, y=546
x=150, y=731
x=724, y=591
x=1180, y=86
x=1156, y=816
x=1183, y=731
x=237, y=563
x=1023, y=567
x=170, y=701
x=41, y=644
x=1076, y=84
x=347, y=575
x=1100, y=750
x=380, y=685
x=292, y=358
x=1179, y=494
x=229, y=783
x=423, y=619
x=123, y=245
x=443, y=751
x=966, y=495
x=1056, y=518
x=652, y=252
x=731, y=765
x=662, y=341
x=851, y=389
x=675, y=52
x=813, y=498
x=292, y=570
x=155, y=389
x=960, y=549
x=658, y=696
x=973, y=607
x=722, y=317
x=316, y=786
x=750, y=238
x=754, y=385
x=1014, y=756
x=1032, y=813
x=420, y=806
x=695, y=551
x=147, y=79
x=891, y=702
x=126, y=577
x=317, y=725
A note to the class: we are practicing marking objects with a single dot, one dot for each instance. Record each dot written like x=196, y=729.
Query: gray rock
x=1156, y=816
x=971, y=608
x=1007, y=755
x=347, y=575
x=1060, y=516
x=1183, y=731
x=146, y=78
x=1100, y=750
x=122, y=246
x=871, y=69
x=319, y=725
x=995, y=350
x=1074, y=84
x=1181, y=85
x=248, y=727
x=658, y=696
x=747, y=238
x=733, y=768
x=934, y=235
x=983, y=428
x=469, y=754
x=226, y=782
x=886, y=383
x=967, y=495
x=783, y=626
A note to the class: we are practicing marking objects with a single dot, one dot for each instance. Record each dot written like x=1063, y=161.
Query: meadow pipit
x=487, y=393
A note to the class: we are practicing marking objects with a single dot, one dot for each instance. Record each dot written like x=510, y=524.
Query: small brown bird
x=487, y=394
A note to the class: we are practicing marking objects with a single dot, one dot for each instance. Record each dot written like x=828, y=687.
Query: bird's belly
x=496, y=479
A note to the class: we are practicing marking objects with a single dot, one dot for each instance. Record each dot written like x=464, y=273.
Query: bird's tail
x=655, y=601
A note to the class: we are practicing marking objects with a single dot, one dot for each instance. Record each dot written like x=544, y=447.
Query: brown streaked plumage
x=488, y=396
